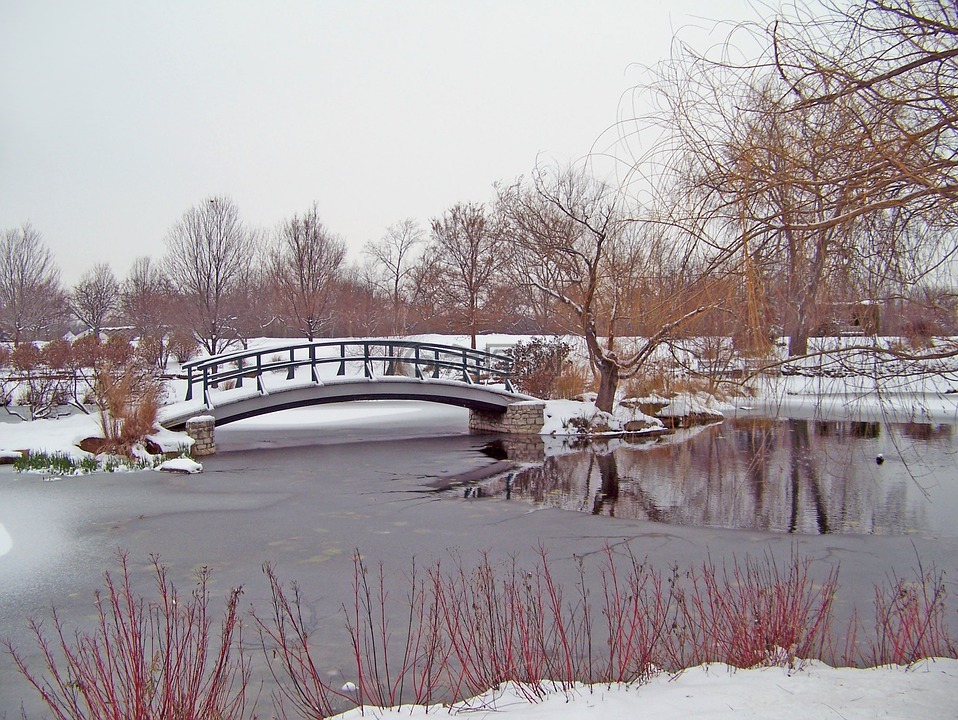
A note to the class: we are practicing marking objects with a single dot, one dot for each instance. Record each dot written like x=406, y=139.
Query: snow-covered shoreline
x=927, y=690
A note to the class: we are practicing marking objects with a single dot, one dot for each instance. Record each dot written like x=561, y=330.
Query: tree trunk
x=798, y=338
x=798, y=342
x=608, y=384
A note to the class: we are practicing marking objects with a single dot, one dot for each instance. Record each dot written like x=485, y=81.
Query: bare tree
x=784, y=176
x=146, y=301
x=304, y=264
x=578, y=245
x=146, y=297
x=425, y=314
x=208, y=252
x=95, y=297
x=356, y=307
x=31, y=298
x=251, y=302
x=391, y=266
x=891, y=67
x=468, y=256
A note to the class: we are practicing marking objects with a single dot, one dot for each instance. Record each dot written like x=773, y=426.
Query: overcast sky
x=118, y=116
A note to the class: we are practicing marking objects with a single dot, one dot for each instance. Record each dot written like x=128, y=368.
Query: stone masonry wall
x=201, y=429
x=521, y=418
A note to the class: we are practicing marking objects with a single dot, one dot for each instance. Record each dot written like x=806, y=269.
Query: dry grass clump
x=666, y=384
x=125, y=385
x=573, y=381
x=652, y=383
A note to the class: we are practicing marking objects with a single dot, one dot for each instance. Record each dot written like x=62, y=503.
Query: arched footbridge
x=237, y=385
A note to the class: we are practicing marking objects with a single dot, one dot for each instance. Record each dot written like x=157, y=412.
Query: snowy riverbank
x=927, y=690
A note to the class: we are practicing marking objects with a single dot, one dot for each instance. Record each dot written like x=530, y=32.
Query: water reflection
x=789, y=476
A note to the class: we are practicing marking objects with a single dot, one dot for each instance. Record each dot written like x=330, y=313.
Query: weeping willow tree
x=822, y=172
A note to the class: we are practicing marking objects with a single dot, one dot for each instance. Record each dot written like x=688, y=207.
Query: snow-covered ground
x=926, y=690
x=61, y=436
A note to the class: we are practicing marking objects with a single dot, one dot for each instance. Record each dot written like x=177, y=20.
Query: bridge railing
x=428, y=360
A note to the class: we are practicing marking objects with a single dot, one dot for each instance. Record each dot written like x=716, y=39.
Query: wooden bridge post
x=418, y=365
x=206, y=385
x=368, y=370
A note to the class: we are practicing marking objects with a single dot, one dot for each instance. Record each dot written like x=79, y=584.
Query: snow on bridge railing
x=427, y=359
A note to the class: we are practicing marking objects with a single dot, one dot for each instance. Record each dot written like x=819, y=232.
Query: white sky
x=119, y=115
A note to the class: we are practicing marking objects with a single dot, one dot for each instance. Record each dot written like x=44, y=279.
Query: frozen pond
x=307, y=488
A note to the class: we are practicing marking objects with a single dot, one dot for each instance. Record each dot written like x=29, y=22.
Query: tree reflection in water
x=789, y=476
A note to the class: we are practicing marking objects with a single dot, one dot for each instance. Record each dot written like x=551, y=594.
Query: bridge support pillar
x=202, y=430
x=520, y=418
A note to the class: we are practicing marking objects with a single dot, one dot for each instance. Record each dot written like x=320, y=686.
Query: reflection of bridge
x=238, y=385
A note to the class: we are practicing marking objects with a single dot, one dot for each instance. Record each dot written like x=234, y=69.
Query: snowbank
x=60, y=436
x=171, y=442
x=50, y=436
x=180, y=465
x=926, y=690
x=575, y=417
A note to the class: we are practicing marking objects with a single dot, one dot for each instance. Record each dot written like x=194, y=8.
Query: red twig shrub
x=754, y=614
x=285, y=636
x=640, y=609
x=910, y=620
x=462, y=631
x=144, y=660
x=502, y=623
x=473, y=628
x=386, y=674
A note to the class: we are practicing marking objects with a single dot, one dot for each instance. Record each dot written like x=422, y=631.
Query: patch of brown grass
x=573, y=381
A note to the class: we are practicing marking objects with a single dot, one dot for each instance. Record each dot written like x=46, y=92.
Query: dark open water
x=784, y=476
